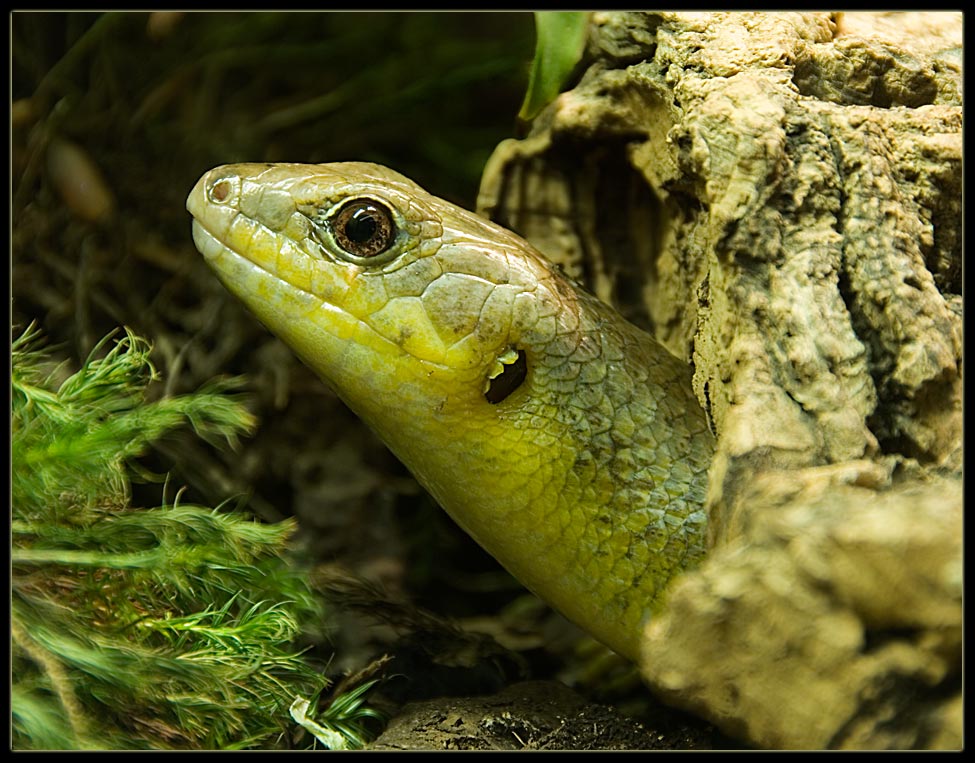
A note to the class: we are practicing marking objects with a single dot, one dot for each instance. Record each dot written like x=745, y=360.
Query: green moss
x=165, y=627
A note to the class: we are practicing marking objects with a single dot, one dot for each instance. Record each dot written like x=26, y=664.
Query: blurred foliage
x=168, y=627
x=560, y=42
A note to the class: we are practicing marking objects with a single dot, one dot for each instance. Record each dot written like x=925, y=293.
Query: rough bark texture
x=778, y=198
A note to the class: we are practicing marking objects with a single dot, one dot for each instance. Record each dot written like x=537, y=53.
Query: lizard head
x=387, y=292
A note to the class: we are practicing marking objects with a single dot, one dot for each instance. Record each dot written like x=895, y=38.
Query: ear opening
x=513, y=368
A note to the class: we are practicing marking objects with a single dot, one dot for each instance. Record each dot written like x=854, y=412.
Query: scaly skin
x=586, y=482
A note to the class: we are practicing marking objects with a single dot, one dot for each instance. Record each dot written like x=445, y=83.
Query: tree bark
x=777, y=196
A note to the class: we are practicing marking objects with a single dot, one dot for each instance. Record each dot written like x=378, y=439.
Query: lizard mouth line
x=209, y=245
x=212, y=249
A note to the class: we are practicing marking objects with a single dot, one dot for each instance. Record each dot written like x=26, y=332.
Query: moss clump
x=139, y=628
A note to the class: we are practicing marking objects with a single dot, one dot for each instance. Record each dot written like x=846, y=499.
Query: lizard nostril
x=220, y=190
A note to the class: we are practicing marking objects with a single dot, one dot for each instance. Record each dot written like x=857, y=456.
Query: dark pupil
x=362, y=225
x=363, y=228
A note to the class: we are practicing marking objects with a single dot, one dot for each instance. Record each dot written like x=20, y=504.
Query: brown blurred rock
x=778, y=197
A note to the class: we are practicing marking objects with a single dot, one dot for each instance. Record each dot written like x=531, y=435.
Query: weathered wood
x=778, y=197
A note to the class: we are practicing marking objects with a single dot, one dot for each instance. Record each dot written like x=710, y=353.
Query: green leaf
x=561, y=40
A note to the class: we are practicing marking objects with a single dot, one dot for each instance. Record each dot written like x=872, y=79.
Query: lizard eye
x=363, y=227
